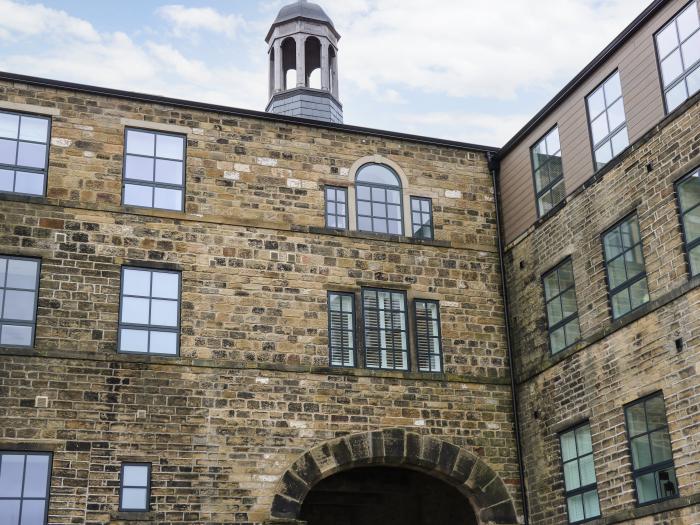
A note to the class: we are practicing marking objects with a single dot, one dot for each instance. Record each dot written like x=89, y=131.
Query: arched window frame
x=385, y=202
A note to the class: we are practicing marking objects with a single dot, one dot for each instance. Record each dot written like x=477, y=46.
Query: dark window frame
x=685, y=74
x=336, y=215
x=47, y=498
x=565, y=320
x=628, y=283
x=440, y=352
x=37, y=284
x=611, y=133
x=534, y=171
x=354, y=329
x=15, y=167
x=687, y=246
x=582, y=489
x=422, y=213
x=147, y=487
x=392, y=350
x=370, y=185
x=149, y=327
x=154, y=184
x=654, y=467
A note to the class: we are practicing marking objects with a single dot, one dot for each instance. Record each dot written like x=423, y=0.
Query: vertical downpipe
x=493, y=163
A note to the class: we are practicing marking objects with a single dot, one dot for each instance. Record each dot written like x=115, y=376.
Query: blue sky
x=465, y=70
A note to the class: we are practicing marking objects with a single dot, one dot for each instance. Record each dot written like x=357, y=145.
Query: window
x=19, y=287
x=154, y=170
x=149, y=317
x=24, y=487
x=606, y=116
x=336, y=208
x=562, y=313
x=341, y=328
x=678, y=50
x=422, y=217
x=548, y=172
x=135, y=487
x=24, y=153
x=689, y=201
x=428, y=335
x=650, y=447
x=379, y=207
x=624, y=264
x=582, y=502
x=385, y=321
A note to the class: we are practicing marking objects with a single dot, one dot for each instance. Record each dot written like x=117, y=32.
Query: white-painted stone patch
x=293, y=183
x=241, y=167
x=266, y=161
x=297, y=424
x=449, y=304
x=232, y=175
x=453, y=194
x=265, y=478
x=419, y=423
x=197, y=131
x=61, y=143
x=262, y=380
x=345, y=172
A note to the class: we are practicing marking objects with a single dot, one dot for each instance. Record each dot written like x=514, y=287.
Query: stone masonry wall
x=251, y=389
x=616, y=362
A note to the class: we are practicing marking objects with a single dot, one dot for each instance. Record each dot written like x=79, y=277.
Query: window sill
x=18, y=197
x=133, y=516
x=378, y=236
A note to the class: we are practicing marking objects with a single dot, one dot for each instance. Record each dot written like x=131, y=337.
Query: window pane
x=568, y=301
x=8, y=152
x=636, y=419
x=136, y=195
x=571, y=475
x=36, y=476
x=31, y=155
x=613, y=90
x=695, y=260
x=133, y=340
x=166, y=285
x=599, y=128
x=35, y=129
x=568, y=446
x=616, y=272
x=363, y=192
x=691, y=50
x=575, y=505
x=33, y=512
x=9, y=125
x=603, y=155
x=378, y=174
x=139, y=168
x=676, y=96
x=668, y=484
x=671, y=67
x=641, y=452
x=551, y=285
x=22, y=273
x=554, y=313
x=9, y=510
x=573, y=332
x=30, y=183
x=134, y=499
x=646, y=488
x=596, y=103
x=135, y=310
x=135, y=476
x=583, y=440
x=689, y=191
x=168, y=199
x=639, y=294
x=164, y=342
x=693, y=81
x=688, y=21
x=557, y=340
x=169, y=147
x=169, y=171
x=136, y=282
x=587, y=470
x=591, y=504
x=620, y=141
x=11, y=475
x=3, y=271
x=16, y=335
x=364, y=223
x=621, y=303
x=667, y=40
x=7, y=180
x=163, y=313
x=660, y=446
x=552, y=141
x=395, y=227
x=140, y=142
x=655, y=412
x=19, y=305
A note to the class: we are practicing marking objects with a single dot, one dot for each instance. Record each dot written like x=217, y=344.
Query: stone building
x=216, y=315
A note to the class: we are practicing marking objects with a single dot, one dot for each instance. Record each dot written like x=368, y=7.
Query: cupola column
x=279, y=65
x=325, y=66
x=301, y=60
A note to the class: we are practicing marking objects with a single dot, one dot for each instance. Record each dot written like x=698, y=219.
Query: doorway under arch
x=385, y=496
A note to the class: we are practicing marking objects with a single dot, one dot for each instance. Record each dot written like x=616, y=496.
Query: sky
x=467, y=70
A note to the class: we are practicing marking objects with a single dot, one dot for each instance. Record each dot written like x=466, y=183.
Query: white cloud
x=37, y=20
x=472, y=48
x=187, y=20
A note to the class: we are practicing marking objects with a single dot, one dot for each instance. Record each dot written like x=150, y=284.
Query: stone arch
x=396, y=447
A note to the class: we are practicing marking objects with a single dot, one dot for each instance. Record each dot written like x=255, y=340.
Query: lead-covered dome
x=301, y=9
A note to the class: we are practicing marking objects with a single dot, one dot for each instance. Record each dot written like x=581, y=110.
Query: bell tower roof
x=302, y=10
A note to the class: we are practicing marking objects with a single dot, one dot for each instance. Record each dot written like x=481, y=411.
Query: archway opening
x=313, y=62
x=289, y=63
x=385, y=496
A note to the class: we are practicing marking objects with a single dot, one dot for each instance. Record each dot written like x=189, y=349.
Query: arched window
x=379, y=202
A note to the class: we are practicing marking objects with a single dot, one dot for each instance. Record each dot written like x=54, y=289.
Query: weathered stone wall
x=251, y=389
x=616, y=362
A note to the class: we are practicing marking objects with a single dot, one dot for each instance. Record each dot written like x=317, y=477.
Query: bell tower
x=303, y=51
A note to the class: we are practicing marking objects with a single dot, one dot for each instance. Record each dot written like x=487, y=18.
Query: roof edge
x=292, y=20
x=589, y=69
x=239, y=112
